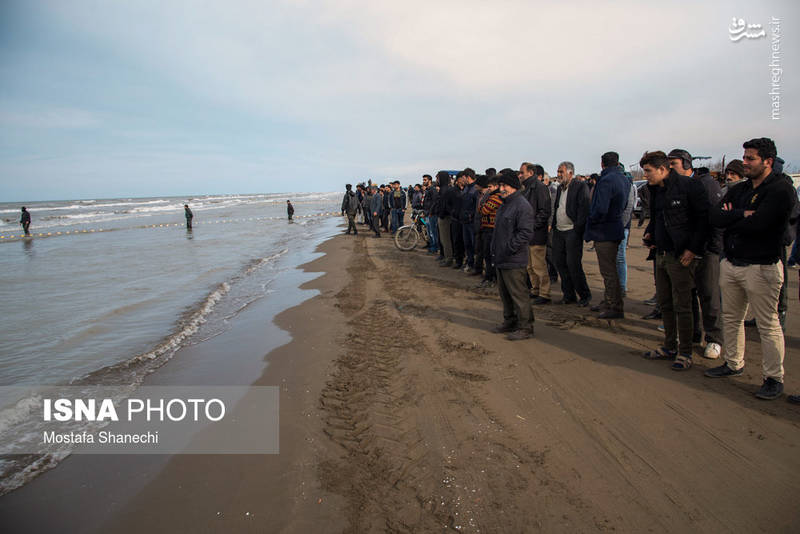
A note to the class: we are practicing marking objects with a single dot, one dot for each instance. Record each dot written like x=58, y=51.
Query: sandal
x=660, y=353
x=681, y=363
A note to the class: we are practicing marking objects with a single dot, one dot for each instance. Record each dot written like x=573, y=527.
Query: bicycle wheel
x=406, y=238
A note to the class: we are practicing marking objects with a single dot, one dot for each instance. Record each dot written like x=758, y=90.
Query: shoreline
x=399, y=411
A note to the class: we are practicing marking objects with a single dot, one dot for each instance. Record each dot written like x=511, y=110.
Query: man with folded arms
x=754, y=213
x=513, y=228
x=678, y=230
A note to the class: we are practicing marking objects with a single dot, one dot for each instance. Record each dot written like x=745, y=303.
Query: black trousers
x=489, y=272
x=707, y=296
x=568, y=257
x=517, y=308
x=457, y=235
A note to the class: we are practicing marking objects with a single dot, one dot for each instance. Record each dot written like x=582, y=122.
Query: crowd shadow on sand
x=636, y=335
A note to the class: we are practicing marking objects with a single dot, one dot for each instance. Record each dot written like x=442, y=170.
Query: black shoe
x=584, y=302
x=655, y=314
x=533, y=295
x=793, y=399
x=474, y=272
x=771, y=389
x=377, y=235
x=697, y=338
x=597, y=308
x=448, y=263
x=458, y=265
x=722, y=371
x=504, y=328
x=541, y=300
x=520, y=334
x=567, y=301
x=611, y=314
x=750, y=322
x=651, y=301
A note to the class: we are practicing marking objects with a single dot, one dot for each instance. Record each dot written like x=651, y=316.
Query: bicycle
x=407, y=237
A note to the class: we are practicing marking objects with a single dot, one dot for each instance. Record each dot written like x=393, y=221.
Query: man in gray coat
x=513, y=231
x=350, y=207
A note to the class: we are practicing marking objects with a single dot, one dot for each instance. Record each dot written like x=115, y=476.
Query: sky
x=146, y=98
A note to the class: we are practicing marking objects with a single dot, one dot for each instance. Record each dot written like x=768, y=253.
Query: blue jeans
x=395, y=220
x=433, y=231
x=468, y=231
x=622, y=265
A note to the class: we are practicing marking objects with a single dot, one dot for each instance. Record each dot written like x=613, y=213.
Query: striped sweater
x=489, y=209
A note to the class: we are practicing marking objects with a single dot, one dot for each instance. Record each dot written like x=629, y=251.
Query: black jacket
x=350, y=203
x=513, y=228
x=577, y=205
x=469, y=203
x=429, y=200
x=538, y=196
x=685, y=213
x=714, y=193
x=451, y=202
x=756, y=239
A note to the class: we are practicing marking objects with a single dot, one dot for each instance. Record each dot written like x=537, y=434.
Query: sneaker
x=520, y=334
x=723, y=371
x=712, y=352
x=541, y=300
x=771, y=389
x=611, y=314
x=484, y=283
x=466, y=268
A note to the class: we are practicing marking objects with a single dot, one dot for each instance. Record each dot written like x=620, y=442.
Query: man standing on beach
x=538, y=196
x=376, y=208
x=289, y=209
x=512, y=234
x=489, y=204
x=189, y=216
x=469, y=202
x=398, y=205
x=605, y=228
x=350, y=207
x=569, y=221
x=754, y=214
x=678, y=230
x=25, y=221
x=705, y=300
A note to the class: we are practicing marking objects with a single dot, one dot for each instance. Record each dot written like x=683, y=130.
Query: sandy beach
x=400, y=412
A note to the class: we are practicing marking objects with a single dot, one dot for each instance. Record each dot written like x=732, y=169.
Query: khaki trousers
x=758, y=286
x=537, y=270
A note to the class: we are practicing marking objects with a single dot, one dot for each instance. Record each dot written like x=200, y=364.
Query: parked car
x=638, y=184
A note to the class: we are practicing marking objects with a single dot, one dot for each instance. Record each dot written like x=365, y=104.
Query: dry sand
x=401, y=412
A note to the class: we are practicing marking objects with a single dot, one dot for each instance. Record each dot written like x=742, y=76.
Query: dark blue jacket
x=469, y=203
x=513, y=228
x=608, y=202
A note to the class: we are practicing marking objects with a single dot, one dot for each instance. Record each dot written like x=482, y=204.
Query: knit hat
x=482, y=180
x=509, y=178
x=736, y=166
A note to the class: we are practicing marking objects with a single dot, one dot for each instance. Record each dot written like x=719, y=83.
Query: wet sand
x=401, y=412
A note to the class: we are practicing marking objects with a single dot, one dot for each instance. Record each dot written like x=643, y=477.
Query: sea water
x=107, y=291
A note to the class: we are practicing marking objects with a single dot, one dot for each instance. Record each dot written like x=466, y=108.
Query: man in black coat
x=512, y=233
x=538, y=196
x=569, y=222
x=678, y=231
x=754, y=214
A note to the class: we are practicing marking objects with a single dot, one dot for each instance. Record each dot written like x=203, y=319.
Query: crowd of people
x=718, y=245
